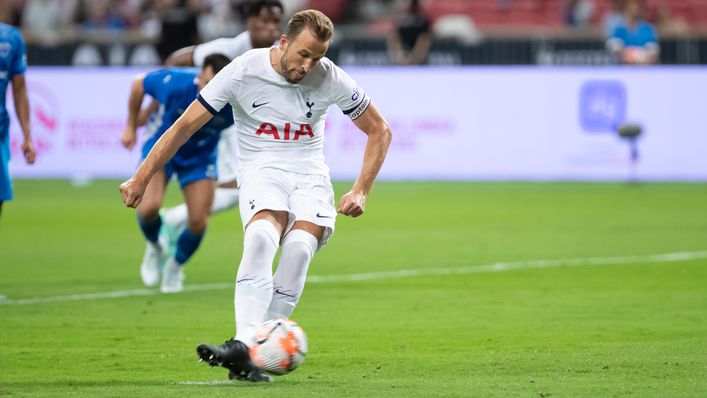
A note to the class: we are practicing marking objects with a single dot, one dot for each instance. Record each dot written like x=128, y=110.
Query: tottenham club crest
x=309, y=105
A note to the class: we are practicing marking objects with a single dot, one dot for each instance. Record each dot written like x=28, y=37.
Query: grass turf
x=633, y=330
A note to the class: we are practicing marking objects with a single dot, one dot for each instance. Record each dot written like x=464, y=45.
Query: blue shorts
x=188, y=173
x=5, y=183
x=199, y=165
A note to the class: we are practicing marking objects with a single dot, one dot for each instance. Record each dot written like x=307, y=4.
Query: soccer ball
x=280, y=346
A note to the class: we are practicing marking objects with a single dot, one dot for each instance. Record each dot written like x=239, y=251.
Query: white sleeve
x=203, y=50
x=223, y=88
x=231, y=47
x=350, y=98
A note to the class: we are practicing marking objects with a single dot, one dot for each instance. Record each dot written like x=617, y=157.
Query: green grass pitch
x=633, y=326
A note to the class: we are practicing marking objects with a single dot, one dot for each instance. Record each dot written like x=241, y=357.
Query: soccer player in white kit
x=263, y=19
x=280, y=97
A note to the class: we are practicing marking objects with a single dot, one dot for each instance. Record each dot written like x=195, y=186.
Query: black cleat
x=234, y=356
x=254, y=375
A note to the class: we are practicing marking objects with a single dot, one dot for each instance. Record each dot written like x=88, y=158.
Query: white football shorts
x=307, y=197
x=226, y=157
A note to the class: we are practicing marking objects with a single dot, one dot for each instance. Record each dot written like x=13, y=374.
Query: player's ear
x=250, y=23
x=283, y=42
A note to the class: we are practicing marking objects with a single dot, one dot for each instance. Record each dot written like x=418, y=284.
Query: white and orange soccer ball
x=280, y=346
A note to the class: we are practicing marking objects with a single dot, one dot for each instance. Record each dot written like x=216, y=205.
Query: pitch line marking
x=207, y=383
x=405, y=273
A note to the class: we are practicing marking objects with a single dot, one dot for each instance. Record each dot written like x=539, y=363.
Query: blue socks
x=150, y=229
x=187, y=245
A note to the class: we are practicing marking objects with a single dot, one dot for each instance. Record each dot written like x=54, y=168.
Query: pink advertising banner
x=467, y=123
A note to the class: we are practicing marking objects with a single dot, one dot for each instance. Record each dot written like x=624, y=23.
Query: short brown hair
x=316, y=21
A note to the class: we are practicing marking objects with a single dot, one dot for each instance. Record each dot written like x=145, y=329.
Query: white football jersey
x=280, y=124
x=231, y=47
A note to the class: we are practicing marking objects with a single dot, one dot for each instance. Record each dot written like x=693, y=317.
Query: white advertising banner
x=462, y=123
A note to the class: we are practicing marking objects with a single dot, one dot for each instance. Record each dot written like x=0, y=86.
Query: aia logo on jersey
x=287, y=133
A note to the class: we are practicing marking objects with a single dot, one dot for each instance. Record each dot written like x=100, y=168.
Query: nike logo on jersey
x=280, y=292
x=259, y=105
x=321, y=216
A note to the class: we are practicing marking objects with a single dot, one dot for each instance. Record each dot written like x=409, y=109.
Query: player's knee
x=149, y=210
x=197, y=225
x=298, y=253
x=300, y=244
x=260, y=241
x=261, y=235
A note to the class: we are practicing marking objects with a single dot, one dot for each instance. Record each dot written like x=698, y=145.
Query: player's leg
x=298, y=248
x=174, y=219
x=226, y=195
x=265, y=216
x=254, y=280
x=198, y=196
x=149, y=220
x=149, y=210
x=313, y=207
x=227, y=191
x=252, y=296
x=5, y=182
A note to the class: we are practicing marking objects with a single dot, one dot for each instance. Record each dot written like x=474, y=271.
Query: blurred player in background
x=263, y=18
x=410, y=41
x=634, y=41
x=280, y=98
x=13, y=62
x=194, y=164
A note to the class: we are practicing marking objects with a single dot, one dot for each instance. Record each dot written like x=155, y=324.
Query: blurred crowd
x=408, y=25
x=52, y=20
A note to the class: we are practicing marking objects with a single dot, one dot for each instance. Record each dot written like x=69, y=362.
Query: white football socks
x=298, y=248
x=224, y=199
x=254, y=281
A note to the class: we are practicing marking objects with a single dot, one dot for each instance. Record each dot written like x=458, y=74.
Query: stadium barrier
x=567, y=50
x=461, y=123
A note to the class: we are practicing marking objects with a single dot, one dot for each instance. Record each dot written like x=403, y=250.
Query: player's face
x=301, y=54
x=265, y=28
x=633, y=9
x=205, y=77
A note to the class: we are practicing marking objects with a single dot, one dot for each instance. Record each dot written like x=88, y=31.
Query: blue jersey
x=13, y=61
x=640, y=36
x=175, y=89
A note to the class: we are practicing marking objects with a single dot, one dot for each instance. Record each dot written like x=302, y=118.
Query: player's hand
x=352, y=204
x=29, y=152
x=128, y=138
x=143, y=116
x=131, y=191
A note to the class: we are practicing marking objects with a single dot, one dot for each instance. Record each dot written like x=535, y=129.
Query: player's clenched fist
x=128, y=138
x=352, y=204
x=132, y=192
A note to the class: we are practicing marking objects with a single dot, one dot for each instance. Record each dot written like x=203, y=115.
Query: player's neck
x=275, y=61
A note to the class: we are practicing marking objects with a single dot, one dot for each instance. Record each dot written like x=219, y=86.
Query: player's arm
x=420, y=49
x=191, y=120
x=137, y=93
x=372, y=123
x=651, y=48
x=19, y=94
x=652, y=53
x=396, y=54
x=212, y=98
x=182, y=57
